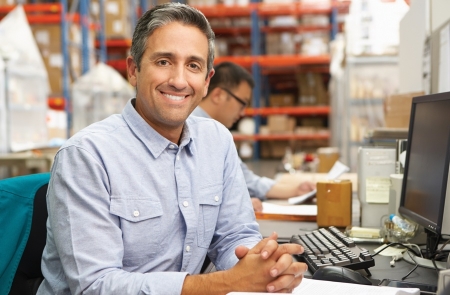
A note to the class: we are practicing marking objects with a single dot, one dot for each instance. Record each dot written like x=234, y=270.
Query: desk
x=22, y=163
x=381, y=270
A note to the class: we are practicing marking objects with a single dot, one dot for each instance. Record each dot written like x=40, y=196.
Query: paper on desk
x=309, y=286
x=303, y=210
x=337, y=170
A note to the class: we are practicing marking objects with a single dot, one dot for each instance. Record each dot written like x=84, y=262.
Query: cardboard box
x=48, y=39
x=117, y=18
x=312, y=90
x=327, y=157
x=281, y=123
x=334, y=203
x=282, y=100
x=397, y=110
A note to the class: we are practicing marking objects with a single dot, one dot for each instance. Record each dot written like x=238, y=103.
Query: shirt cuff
x=264, y=185
x=170, y=283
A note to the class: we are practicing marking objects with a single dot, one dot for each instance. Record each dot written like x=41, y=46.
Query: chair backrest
x=22, y=232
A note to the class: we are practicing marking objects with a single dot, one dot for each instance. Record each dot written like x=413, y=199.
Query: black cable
x=410, y=272
x=414, y=268
x=393, y=244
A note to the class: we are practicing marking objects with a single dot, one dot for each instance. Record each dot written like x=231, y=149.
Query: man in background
x=229, y=93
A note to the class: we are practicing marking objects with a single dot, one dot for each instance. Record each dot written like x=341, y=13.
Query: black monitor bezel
x=435, y=227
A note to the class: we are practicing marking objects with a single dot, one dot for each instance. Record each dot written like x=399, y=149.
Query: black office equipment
x=326, y=247
x=340, y=274
x=425, y=197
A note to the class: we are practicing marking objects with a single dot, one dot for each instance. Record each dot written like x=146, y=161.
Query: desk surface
x=381, y=270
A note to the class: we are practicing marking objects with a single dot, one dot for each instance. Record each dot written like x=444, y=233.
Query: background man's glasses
x=240, y=100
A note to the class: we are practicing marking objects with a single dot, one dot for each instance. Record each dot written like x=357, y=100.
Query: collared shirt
x=132, y=213
x=257, y=186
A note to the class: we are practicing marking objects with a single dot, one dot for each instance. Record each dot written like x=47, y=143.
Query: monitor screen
x=427, y=161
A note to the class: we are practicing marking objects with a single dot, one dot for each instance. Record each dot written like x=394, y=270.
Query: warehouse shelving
x=262, y=65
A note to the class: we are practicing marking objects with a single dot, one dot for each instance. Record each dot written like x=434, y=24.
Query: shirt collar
x=201, y=112
x=155, y=142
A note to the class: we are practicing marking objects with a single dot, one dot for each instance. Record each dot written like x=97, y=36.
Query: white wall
x=414, y=28
x=440, y=13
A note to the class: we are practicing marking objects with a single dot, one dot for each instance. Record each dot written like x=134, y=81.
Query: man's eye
x=163, y=62
x=194, y=66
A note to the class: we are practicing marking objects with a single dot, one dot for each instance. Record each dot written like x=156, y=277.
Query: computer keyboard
x=331, y=247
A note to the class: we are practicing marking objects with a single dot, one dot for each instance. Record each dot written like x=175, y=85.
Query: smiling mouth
x=174, y=97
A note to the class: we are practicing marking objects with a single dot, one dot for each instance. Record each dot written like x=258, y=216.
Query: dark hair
x=229, y=75
x=164, y=14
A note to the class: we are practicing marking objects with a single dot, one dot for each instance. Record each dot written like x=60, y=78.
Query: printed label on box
x=55, y=60
x=117, y=26
x=42, y=37
x=112, y=8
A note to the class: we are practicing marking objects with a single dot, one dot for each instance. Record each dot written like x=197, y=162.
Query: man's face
x=233, y=108
x=173, y=77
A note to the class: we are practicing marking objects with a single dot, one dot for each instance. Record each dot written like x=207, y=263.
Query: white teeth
x=173, y=97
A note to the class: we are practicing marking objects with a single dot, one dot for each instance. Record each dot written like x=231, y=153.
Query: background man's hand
x=257, y=204
x=305, y=187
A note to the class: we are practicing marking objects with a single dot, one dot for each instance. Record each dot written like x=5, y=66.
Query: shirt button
x=185, y=203
x=135, y=213
x=178, y=157
x=171, y=146
x=216, y=198
x=188, y=248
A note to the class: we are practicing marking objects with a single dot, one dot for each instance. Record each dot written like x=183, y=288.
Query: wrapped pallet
x=99, y=93
x=24, y=86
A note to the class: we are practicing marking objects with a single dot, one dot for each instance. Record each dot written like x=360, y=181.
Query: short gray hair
x=164, y=14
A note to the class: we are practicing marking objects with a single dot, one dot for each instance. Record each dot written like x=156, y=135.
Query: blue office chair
x=23, y=216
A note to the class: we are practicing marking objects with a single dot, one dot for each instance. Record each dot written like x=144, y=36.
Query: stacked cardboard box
x=311, y=89
x=48, y=39
x=282, y=100
x=279, y=124
x=117, y=18
x=398, y=109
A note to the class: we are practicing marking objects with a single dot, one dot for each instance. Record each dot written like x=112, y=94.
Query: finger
x=285, y=266
x=295, y=283
x=280, y=283
x=263, y=245
x=241, y=251
x=287, y=249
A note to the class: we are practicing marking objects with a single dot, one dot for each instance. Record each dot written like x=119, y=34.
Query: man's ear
x=216, y=96
x=208, y=79
x=131, y=71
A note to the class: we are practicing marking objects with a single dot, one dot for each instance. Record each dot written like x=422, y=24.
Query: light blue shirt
x=132, y=213
x=257, y=186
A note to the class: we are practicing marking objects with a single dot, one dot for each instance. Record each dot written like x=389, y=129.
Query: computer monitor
x=425, y=197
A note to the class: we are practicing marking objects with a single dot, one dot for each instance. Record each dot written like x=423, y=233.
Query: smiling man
x=138, y=200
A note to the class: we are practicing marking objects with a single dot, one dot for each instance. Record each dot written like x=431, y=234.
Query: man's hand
x=257, y=204
x=284, y=273
x=305, y=187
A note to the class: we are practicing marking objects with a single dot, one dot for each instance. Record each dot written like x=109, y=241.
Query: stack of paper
x=309, y=286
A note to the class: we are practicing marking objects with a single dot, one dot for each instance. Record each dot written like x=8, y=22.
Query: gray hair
x=164, y=14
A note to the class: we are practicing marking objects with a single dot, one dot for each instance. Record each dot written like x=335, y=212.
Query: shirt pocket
x=140, y=222
x=209, y=206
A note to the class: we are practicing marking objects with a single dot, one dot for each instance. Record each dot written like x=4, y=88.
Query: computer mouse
x=340, y=274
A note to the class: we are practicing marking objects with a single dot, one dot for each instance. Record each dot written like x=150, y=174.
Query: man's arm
x=284, y=190
x=266, y=267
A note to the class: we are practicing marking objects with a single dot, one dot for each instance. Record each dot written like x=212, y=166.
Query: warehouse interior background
x=331, y=76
